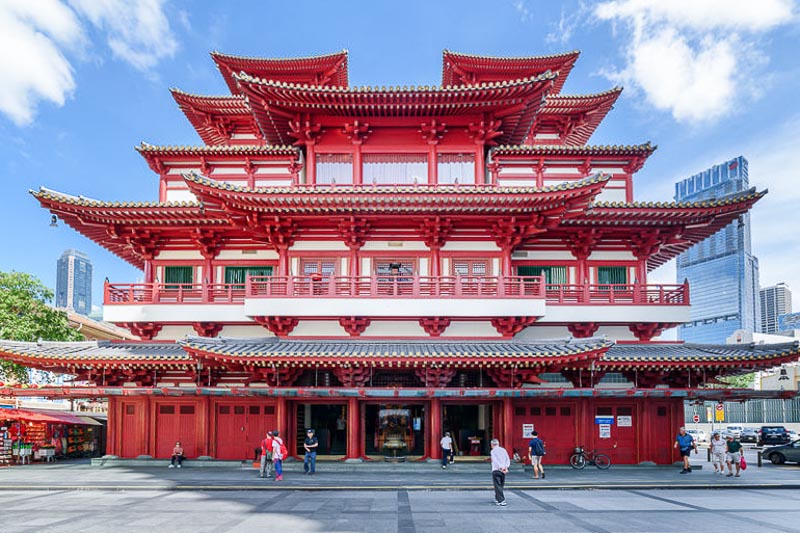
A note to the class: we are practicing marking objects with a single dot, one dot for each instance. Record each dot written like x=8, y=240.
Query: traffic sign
x=696, y=419
x=720, y=407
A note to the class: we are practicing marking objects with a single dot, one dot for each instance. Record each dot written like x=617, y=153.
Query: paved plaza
x=74, y=497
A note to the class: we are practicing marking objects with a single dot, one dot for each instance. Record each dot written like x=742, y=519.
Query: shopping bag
x=743, y=463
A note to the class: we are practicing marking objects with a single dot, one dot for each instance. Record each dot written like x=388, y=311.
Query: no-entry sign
x=696, y=419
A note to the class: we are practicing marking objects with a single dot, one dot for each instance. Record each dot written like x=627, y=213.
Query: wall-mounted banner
x=624, y=421
x=604, y=420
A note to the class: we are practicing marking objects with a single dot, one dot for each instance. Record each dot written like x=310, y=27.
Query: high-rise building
x=775, y=301
x=74, y=282
x=722, y=271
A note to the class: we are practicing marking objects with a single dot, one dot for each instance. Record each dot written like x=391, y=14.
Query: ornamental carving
x=354, y=325
x=508, y=326
x=434, y=326
x=280, y=326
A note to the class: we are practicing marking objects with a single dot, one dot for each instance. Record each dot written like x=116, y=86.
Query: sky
x=84, y=81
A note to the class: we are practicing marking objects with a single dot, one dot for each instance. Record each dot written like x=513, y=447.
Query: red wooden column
x=114, y=418
x=436, y=428
x=353, y=430
x=508, y=425
x=433, y=162
x=283, y=261
x=281, y=421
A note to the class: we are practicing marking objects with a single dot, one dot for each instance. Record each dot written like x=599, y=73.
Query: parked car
x=736, y=431
x=698, y=434
x=749, y=435
x=771, y=435
x=780, y=454
x=793, y=435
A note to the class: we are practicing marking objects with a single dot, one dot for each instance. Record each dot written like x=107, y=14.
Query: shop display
x=5, y=446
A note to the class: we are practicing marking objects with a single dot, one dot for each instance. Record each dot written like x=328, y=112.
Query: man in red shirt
x=266, y=456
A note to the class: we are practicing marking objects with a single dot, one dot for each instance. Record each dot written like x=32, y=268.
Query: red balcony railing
x=531, y=287
x=174, y=293
x=395, y=287
x=615, y=294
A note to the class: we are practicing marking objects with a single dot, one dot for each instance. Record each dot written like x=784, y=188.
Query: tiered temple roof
x=328, y=69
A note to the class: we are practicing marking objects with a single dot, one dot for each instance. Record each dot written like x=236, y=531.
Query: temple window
x=237, y=275
x=395, y=267
x=174, y=275
x=322, y=267
x=456, y=168
x=553, y=275
x=469, y=267
x=395, y=169
x=612, y=275
x=334, y=169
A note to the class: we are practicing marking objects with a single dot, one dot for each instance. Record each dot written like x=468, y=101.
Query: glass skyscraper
x=722, y=271
x=74, y=282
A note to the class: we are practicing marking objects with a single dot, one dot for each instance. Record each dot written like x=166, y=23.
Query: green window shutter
x=553, y=275
x=238, y=275
x=179, y=274
x=617, y=275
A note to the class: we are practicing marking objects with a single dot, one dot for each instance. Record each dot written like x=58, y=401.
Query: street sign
x=720, y=407
x=696, y=419
x=719, y=413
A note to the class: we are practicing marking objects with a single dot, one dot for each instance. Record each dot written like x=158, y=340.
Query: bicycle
x=581, y=458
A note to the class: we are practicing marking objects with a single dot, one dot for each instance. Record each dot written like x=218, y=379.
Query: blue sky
x=705, y=80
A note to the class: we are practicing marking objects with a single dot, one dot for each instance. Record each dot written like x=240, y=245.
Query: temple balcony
x=398, y=297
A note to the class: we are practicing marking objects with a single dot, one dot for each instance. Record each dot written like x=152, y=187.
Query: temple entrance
x=330, y=424
x=392, y=430
x=470, y=426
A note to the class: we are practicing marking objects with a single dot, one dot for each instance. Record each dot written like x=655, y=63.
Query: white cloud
x=41, y=39
x=32, y=66
x=694, y=59
x=522, y=8
x=138, y=32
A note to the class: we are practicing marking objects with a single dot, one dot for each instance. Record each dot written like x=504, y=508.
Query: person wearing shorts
x=685, y=443
x=734, y=456
x=719, y=451
x=536, y=453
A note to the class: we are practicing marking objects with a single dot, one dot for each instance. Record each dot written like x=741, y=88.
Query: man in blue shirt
x=685, y=443
x=535, y=453
x=310, y=460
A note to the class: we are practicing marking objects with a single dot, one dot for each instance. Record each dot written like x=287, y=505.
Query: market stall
x=30, y=435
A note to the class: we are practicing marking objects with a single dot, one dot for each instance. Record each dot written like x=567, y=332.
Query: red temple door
x=556, y=425
x=176, y=423
x=619, y=441
x=132, y=428
x=231, y=432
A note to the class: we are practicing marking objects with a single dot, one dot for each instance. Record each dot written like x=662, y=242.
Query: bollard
x=759, y=459
x=709, y=454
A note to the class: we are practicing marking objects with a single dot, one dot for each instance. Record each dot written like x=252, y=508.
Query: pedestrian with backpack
x=536, y=452
x=279, y=451
x=266, y=456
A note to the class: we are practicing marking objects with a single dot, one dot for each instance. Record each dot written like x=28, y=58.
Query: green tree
x=741, y=381
x=26, y=316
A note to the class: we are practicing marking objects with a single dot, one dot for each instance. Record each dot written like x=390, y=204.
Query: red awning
x=50, y=417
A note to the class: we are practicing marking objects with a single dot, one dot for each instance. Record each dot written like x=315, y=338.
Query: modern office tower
x=74, y=282
x=775, y=301
x=722, y=271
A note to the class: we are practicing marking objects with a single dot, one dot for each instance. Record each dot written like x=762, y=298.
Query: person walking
x=310, y=460
x=277, y=456
x=500, y=464
x=686, y=444
x=536, y=453
x=266, y=456
x=733, y=456
x=719, y=450
x=177, y=456
x=447, y=449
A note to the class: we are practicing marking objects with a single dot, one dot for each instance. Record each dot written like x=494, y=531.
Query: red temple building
x=387, y=263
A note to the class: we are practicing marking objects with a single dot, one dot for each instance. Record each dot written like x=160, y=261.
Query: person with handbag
x=536, y=453
x=734, y=456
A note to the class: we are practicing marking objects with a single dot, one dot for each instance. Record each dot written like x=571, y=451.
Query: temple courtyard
x=77, y=497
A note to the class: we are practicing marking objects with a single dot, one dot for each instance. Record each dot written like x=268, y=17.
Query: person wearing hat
x=310, y=460
x=734, y=455
x=719, y=449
